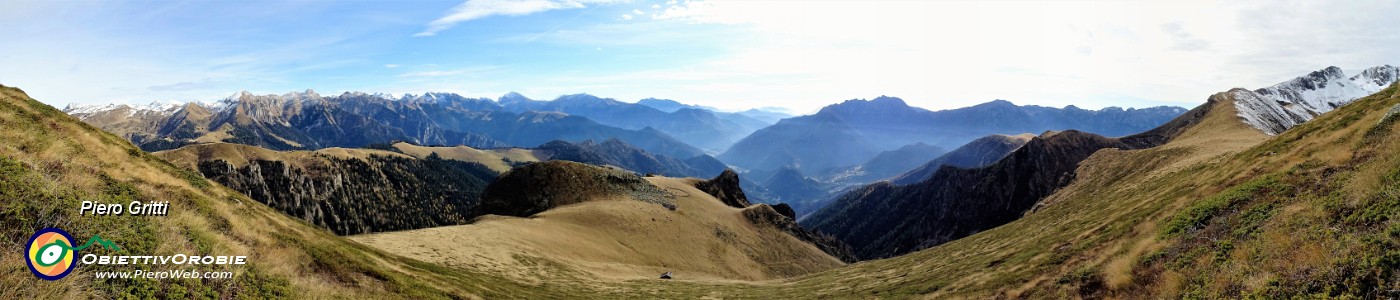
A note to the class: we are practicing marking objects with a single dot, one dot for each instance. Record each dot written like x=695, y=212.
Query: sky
x=731, y=55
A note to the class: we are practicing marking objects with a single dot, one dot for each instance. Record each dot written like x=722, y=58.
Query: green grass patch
x=1200, y=214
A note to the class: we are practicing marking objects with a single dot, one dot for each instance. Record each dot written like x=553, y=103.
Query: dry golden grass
x=618, y=240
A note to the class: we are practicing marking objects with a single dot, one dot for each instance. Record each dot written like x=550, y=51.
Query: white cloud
x=944, y=54
x=391, y=66
x=626, y=16
x=637, y=12
x=477, y=9
x=690, y=9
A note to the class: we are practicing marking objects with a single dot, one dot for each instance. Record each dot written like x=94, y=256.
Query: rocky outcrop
x=725, y=187
x=537, y=187
x=786, y=210
x=764, y=215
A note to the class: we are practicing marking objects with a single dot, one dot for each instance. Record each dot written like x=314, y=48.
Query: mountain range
x=307, y=120
x=1206, y=205
x=978, y=153
x=699, y=126
x=1279, y=107
x=954, y=202
x=852, y=132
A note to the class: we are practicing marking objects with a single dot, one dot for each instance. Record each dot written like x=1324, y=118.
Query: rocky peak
x=725, y=187
x=1282, y=106
x=1380, y=76
x=879, y=104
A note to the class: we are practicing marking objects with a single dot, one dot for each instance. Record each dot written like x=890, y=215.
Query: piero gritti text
x=135, y=208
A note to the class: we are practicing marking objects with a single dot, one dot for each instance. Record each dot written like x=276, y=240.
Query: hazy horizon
x=729, y=55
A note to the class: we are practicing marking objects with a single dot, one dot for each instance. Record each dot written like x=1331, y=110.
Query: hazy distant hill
x=694, y=125
x=889, y=163
x=854, y=131
x=616, y=153
x=978, y=153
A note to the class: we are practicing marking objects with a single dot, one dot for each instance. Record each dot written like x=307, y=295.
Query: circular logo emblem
x=50, y=254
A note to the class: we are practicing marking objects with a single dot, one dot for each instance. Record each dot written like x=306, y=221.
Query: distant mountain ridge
x=851, y=132
x=614, y=152
x=1279, y=107
x=890, y=163
x=307, y=120
x=699, y=126
x=883, y=219
x=975, y=154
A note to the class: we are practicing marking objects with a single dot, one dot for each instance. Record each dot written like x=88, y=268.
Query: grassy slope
x=619, y=239
x=497, y=159
x=50, y=162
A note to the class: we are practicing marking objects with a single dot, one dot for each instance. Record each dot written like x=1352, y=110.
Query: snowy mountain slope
x=1277, y=108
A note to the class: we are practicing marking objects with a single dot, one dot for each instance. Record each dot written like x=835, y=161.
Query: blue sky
x=732, y=55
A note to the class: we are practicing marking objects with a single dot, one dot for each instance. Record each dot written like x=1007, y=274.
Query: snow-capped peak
x=161, y=106
x=74, y=108
x=1379, y=77
x=1279, y=107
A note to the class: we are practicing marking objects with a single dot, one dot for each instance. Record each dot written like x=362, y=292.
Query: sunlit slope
x=499, y=160
x=1219, y=212
x=50, y=163
x=613, y=237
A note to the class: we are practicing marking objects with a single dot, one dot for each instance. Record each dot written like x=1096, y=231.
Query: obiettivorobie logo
x=51, y=253
x=51, y=256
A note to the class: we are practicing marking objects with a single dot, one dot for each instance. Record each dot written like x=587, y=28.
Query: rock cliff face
x=537, y=187
x=356, y=196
